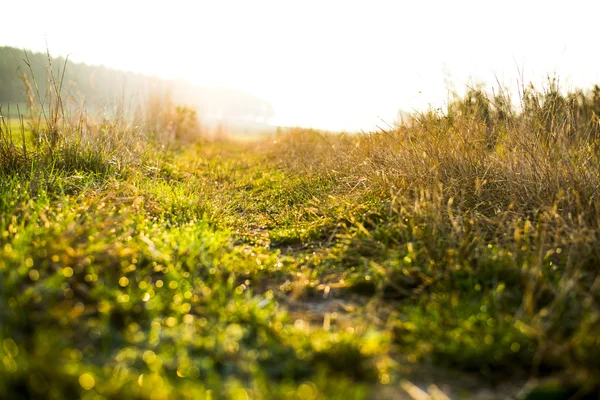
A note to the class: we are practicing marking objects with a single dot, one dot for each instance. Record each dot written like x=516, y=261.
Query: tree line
x=25, y=74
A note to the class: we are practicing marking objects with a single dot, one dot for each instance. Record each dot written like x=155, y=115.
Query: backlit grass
x=459, y=250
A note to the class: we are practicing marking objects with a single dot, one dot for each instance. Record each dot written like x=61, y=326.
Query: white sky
x=324, y=63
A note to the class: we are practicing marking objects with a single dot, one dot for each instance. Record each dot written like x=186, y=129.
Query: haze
x=338, y=65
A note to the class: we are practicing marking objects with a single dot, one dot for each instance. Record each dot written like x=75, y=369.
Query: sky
x=338, y=65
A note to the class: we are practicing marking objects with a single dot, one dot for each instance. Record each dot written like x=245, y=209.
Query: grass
x=457, y=251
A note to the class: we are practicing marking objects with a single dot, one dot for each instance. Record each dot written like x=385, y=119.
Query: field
x=453, y=256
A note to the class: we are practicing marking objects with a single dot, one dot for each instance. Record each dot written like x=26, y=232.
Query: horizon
x=335, y=66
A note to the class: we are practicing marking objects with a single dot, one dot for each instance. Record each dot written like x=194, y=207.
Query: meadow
x=454, y=255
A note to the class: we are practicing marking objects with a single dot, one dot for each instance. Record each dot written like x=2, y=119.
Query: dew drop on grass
x=307, y=391
x=87, y=381
x=384, y=379
x=34, y=275
x=149, y=356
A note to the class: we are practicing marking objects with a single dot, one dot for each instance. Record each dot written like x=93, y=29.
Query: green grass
x=302, y=266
